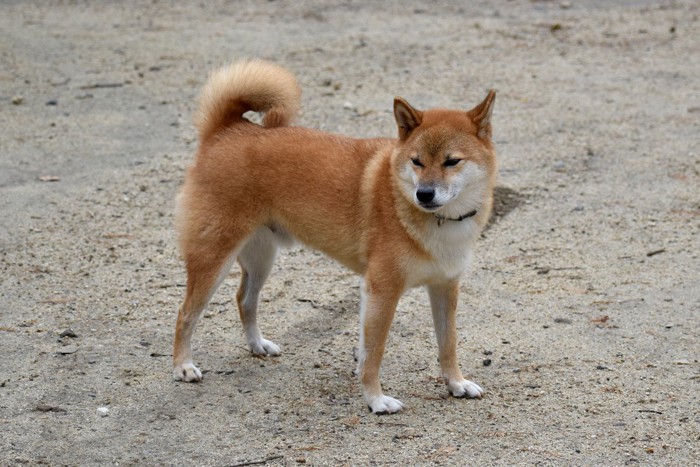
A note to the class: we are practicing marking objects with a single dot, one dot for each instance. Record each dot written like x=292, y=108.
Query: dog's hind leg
x=207, y=266
x=256, y=261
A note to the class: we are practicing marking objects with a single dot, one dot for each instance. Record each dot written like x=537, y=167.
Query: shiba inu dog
x=401, y=213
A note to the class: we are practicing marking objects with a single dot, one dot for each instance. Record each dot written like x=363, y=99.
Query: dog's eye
x=451, y=162
x=417, y=162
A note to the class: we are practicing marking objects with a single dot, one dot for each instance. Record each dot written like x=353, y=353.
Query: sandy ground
x=581, y=316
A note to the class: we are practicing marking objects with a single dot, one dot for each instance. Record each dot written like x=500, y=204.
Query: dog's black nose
x=425, y=195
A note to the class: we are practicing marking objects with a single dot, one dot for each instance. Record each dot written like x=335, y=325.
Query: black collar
x=441, y=219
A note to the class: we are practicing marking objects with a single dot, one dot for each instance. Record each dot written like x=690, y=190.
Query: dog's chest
x=450, y=247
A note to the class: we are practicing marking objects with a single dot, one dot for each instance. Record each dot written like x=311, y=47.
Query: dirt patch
x=582, y=299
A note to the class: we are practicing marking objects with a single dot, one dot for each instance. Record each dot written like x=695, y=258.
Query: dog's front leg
x=443, y=302
x=377, y=306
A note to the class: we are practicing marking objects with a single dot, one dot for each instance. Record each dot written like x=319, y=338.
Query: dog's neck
x=441, y=219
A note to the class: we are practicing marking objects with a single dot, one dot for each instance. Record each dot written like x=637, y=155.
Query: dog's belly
x=337, y=245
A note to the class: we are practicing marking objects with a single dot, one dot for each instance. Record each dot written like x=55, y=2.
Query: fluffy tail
x=246, y=85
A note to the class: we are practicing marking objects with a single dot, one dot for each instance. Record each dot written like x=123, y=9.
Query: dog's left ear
x=481, y=115
x=407, y=118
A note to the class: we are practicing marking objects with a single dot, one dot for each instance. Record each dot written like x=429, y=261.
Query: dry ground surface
x=580, y=316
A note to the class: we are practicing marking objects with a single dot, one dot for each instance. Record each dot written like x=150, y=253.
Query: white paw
x=465, y=388
x=382, y=405
x=265, y=347
x=187, y=372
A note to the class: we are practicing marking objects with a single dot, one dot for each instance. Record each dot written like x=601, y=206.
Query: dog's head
x=444, y=158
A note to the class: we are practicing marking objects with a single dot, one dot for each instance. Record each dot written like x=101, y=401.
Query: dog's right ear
x=407, y=118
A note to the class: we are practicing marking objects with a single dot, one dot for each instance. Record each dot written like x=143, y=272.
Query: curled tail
x=245, y=85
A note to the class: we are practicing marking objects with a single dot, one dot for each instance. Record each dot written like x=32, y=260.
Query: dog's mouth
x=430, y=207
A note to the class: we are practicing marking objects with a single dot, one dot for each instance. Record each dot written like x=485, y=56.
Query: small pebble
x=68, y=333
x=52, y=102
x=559, y=166
x=67, y=350
x=17, y=100
x=408, y=433
x=102, y=411
x=487, y=362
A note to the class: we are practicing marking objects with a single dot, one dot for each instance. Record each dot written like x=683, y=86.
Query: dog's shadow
x=505, y=200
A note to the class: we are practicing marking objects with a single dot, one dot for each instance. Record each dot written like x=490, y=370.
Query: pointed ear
x=407, y=118
x=481, y=115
